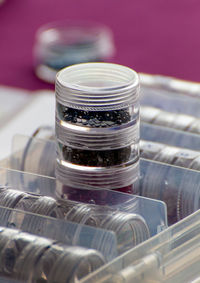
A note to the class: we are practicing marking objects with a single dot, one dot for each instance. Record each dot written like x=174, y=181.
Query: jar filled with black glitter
x=97, y=125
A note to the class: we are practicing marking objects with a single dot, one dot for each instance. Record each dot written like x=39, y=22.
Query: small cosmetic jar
x=59, y=45
x=97, y=126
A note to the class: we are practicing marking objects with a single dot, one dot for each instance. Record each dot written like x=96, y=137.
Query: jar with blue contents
x=61, y=44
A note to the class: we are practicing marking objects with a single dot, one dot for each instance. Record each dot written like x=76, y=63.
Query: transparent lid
x=118, y=136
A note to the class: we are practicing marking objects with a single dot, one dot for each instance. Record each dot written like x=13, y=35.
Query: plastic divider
x=69, y=233
x=108, y=199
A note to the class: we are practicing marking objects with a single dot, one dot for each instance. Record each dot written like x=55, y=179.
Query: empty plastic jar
x=97, y=126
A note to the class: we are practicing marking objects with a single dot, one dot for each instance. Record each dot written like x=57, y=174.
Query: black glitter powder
x=96, y=158
x=93, y=119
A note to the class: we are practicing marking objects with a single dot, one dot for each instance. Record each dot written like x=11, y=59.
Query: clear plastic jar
x=62, y=44
x=165, y=153
x=97, y=126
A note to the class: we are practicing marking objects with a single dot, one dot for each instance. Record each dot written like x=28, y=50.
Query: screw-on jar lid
x=97, y=86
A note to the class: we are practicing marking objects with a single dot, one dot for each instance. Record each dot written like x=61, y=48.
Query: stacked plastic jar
x=97, y=127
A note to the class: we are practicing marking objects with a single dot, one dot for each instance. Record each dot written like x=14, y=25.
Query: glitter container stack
x=97, y=126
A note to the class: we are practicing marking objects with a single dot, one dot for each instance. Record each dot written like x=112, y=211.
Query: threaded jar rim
x=97, y=86
x=114, y=177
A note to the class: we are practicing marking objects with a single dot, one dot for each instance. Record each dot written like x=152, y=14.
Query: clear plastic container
x=159, y=134
x=97, y=126
x=170, y=94
x=176, y=121
x=61, y=44
x=31, y=258
x=34, y=155
x=177, y=187
x=172, y=256
x=178, y=156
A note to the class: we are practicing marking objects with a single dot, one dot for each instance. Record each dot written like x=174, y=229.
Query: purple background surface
x=152, y=36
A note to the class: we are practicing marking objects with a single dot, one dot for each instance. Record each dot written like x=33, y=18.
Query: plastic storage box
x=172, y=255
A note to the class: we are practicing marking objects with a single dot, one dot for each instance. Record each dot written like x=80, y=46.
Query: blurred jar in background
x=58, y=45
